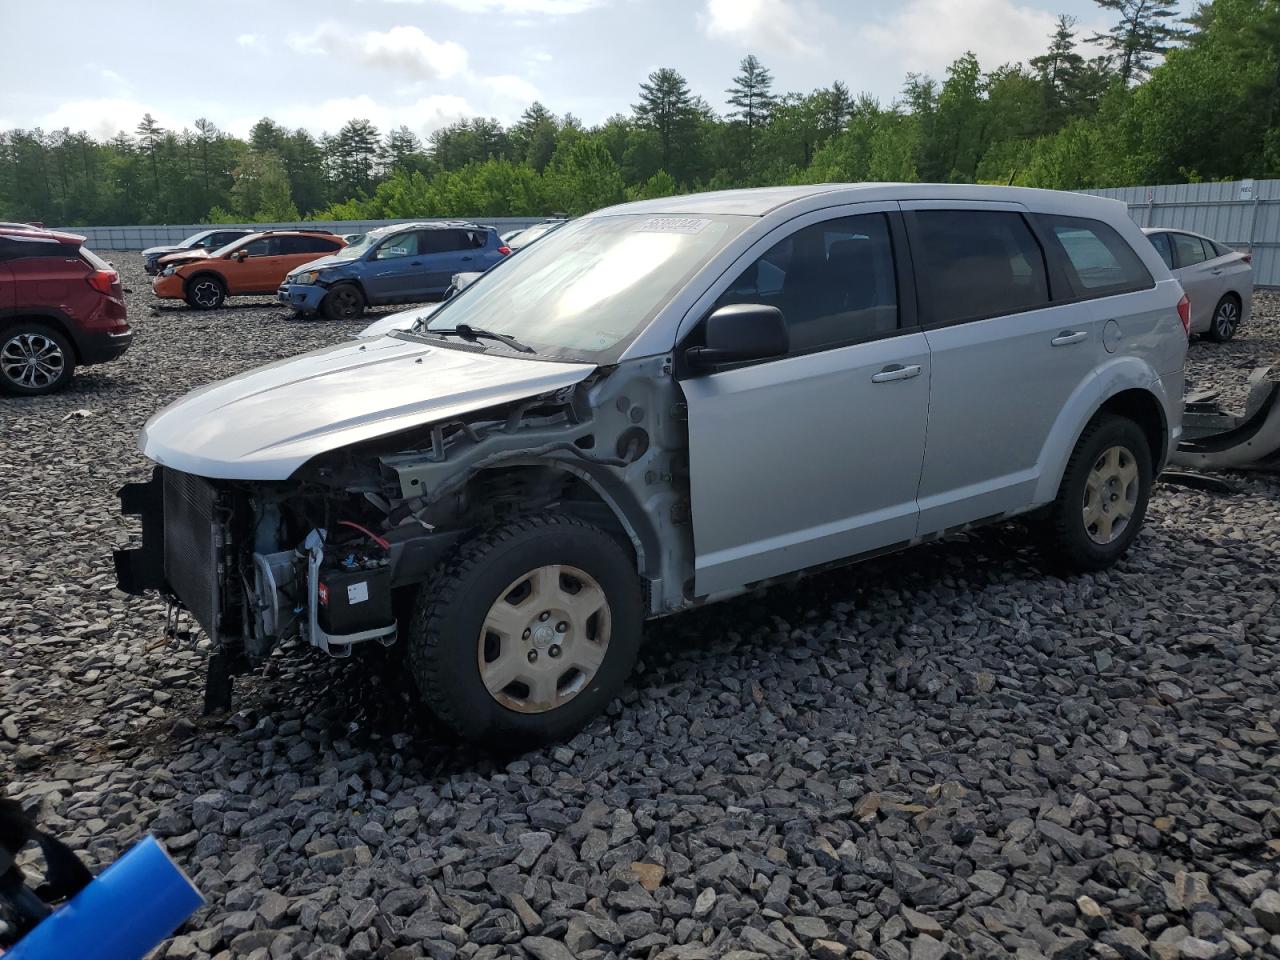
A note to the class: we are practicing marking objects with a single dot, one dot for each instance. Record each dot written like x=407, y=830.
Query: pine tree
x=150, y=134
x=752, y=94
x=668, y=108
x=1060, y=65
x=1143, y=33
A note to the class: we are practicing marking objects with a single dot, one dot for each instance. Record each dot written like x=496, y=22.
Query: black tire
x=445, y=634
x=205, y=291
x=1226, y=319
x=343, y=302
x=35, y=359
x=1072, y=544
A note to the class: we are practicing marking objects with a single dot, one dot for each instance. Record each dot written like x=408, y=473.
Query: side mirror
x=741, y=332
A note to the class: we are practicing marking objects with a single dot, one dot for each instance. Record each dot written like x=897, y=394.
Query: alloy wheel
x=32, y=360
x=1225, y=320
x=206, y=293
x=544, y=639
x=1110, y=495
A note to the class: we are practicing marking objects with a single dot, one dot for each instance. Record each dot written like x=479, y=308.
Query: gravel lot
x=944, y=753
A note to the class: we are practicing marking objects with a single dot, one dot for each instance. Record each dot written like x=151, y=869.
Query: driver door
x=815, y=456
x=261, y=271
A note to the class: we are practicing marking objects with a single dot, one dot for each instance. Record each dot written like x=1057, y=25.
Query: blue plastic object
x=129, y=908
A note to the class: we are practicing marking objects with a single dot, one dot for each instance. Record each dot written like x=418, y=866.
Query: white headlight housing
x=168, y=271
x=306, y=278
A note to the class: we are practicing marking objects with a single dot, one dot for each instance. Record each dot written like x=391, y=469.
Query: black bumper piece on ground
x=142, y=568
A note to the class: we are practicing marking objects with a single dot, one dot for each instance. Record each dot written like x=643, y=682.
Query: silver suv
x=662, y=405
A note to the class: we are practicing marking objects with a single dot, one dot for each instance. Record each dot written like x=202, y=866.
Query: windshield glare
x=590, y=286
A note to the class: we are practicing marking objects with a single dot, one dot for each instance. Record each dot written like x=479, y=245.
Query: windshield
x=194, y=239
x=237, y=242
x=353, y=250
x=589, y=287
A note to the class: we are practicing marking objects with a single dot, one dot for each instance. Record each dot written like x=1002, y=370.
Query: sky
x=99, y=66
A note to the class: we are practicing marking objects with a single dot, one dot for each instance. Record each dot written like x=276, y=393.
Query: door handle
x=415, y=263
x=896, y=371
x=1067, y=337
x=1217, y=271
x=466, y=258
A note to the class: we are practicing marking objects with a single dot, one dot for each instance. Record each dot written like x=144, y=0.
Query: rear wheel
x=528, y=631
x=34, y=359
x=1103, y=497
x=205, y=292
x=344, y=302
x=1226, y=319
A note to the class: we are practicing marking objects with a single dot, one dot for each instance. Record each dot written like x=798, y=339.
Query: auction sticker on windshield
x=673, y=225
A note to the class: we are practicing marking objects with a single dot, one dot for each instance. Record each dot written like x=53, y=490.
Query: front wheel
x=528, y=631
x=1226, y=320
x=34, y=360
x=206, y=292
x=1103, y=497
x=343, y=302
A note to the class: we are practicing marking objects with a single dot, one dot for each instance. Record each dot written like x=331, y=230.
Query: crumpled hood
x=329, y=261
x=264, y=424
x=184, y=256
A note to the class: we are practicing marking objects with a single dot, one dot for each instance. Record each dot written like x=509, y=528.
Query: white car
x=1217, y=279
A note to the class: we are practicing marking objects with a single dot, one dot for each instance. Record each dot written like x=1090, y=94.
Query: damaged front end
x=334, y=555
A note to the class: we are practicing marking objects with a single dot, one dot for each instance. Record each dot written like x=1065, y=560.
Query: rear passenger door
x=1005, y=358
x=812, y=457
x=448, y=252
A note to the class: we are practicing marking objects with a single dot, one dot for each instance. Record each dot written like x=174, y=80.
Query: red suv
x=60, y=305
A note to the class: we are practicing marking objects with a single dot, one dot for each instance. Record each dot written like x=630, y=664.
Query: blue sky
x=425, y=63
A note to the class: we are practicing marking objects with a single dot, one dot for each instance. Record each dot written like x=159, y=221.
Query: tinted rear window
x=1097, y=260
x=24, y=248
x=974, y=264
x=1161, y=242
x=443, y=241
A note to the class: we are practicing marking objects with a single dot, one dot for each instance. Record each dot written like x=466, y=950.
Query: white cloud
x=925, y=36
x=509, y=87
x=516, y=7
x=403, y=49
x=104, y=117
x=765, y=25
x=249, y=40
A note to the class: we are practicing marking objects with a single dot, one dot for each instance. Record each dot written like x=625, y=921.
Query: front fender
x=1116, y=375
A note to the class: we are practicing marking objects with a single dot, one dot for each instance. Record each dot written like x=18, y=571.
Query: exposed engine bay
x=334, y=554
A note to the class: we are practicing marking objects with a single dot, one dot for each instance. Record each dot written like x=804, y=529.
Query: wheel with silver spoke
x=34, y=359
x=528, y=631
x=544, y=639
x=206, y=292
x=1110, y=495
x=1102, y=498
x=1226, y=319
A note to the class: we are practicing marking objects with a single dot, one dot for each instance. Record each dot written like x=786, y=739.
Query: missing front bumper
x=139, y=569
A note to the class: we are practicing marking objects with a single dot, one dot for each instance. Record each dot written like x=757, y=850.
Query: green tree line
x=1166, y=101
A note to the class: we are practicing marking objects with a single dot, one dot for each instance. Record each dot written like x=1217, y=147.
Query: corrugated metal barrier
x=1243, y=214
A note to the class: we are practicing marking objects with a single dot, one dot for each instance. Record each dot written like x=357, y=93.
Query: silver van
x=662, y=405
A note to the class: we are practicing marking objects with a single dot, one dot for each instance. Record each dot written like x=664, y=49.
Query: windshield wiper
x=468, y=332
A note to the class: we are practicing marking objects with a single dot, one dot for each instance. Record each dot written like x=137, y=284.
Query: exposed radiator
x=192, y=544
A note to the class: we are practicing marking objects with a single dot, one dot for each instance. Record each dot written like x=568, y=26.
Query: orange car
x=251, y=266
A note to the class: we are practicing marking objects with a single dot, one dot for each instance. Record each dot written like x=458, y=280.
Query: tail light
x=1247, y=257
x=1184, y=314
x=103, y=281
x=505, y=251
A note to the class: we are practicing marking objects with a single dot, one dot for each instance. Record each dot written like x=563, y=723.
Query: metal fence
x=1243, y=214
x=141, y=237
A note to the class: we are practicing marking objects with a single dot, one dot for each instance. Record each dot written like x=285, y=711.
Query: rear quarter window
x=1097, y=260
x=975, y=264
